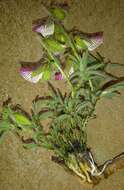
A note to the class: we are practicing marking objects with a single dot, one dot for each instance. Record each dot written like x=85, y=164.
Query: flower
x=58, y=76
x=26, y=73
x=95, y=40
x=44, y=27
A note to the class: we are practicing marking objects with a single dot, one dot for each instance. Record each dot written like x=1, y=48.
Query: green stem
x=70, y=42
x=90, y=114
x=57, y=64
x=91, y=85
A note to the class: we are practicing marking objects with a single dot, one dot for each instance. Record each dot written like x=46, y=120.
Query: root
x=117, y=164
x=96, y=173
x=94, y=170
x=84, y=166
x=109, y=168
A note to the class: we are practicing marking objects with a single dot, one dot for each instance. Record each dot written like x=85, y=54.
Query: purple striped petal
x=46, y=29
x=26, y=73
x=95, y=40
x=58, y=76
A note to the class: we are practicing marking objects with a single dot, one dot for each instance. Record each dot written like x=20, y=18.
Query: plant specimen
x=67, y=55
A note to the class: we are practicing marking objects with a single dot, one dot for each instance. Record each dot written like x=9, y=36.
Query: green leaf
x=74, y=59
x=45, y=143
x=45, y=115
x=97, y=73
x=5, y=125
x=62, y=117
x=30, y=146
x=82, y=105
x=84, y=61
x=40, y=103
x=115, y=64
x=21, y=119
x=68, y=66
x=112, y=89
x=95, y=66
x=37, y=135
x=110, y=94
x=117, y=86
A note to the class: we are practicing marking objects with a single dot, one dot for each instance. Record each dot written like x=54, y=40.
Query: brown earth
x=33, y=170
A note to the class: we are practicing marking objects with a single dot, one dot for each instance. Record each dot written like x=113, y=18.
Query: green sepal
x=54, y=46
x=80, y=43
x=58, y=13
x=46, y=74
x=58, y=29
x=60, y=37
x=37, y=71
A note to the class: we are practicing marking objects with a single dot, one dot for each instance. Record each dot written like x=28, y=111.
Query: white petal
x=47, y=30
x=28, y=76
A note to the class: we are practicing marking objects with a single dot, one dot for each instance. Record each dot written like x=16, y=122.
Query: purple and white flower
x=58, y=76
x=95, y=40
x=44, y=27
x=27, y=72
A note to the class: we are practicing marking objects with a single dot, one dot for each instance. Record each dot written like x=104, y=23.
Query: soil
x=22, y=169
